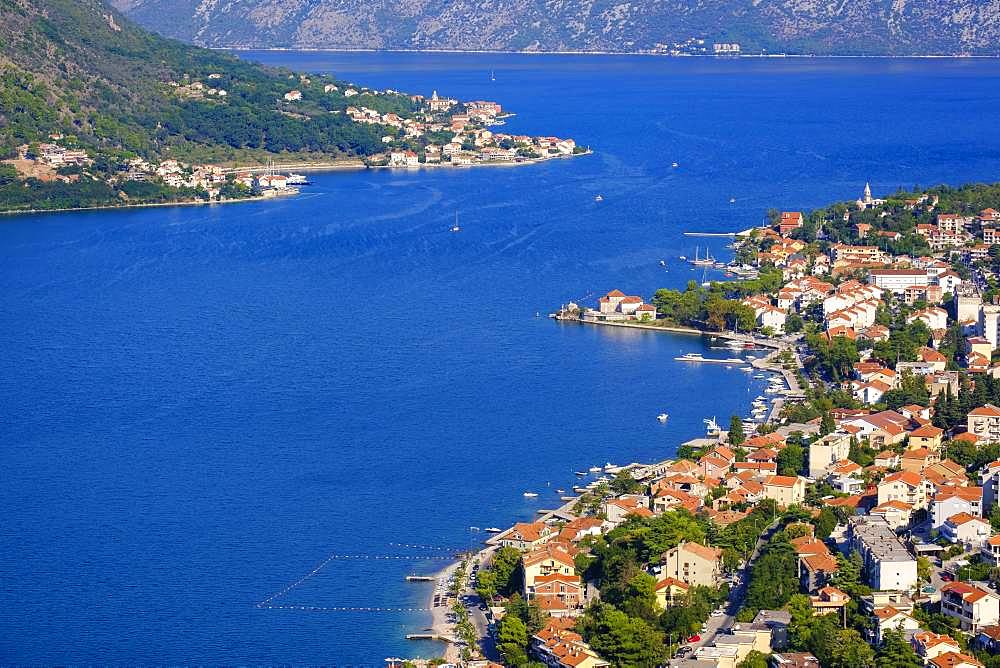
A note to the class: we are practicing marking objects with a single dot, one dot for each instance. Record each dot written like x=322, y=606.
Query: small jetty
x=696, y=357
x=420, y=578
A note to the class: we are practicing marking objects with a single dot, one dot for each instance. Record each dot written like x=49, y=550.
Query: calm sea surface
x=200, y=405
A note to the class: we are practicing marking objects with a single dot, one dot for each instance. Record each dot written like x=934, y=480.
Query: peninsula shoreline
x=307, y=167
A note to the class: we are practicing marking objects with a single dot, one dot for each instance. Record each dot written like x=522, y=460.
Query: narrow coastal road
x=477, y=615
x=736, y=597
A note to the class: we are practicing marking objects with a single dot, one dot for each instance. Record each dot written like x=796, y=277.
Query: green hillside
x=81, y=69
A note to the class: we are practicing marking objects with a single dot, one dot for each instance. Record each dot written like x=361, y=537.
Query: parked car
x=694, y=638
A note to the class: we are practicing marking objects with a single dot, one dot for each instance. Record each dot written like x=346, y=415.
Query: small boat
x=706, y=261
x=662, y=417
x=455, y=227
x=674, y=165
x=662, y=263
x=682, y=257
x=296, y=180
x=608, y=466
x=599, y=198
x=595, y=469
x=530, y=495
x=560, y=491
x=732, y=200
x=581, y=473
x=493, y=76
x=712, y=428
x=493, y=530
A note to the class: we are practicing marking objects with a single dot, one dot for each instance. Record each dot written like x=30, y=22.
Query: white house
x=950, y=501
x=968, y=530
x=972, y=606
x=773, y=317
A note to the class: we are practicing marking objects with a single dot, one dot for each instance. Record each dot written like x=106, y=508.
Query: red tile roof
x=781, y=480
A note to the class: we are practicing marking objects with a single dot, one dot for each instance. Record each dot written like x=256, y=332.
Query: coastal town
x=851, y=520
x=432, y=132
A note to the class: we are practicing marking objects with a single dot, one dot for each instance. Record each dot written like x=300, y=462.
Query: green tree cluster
x=624, y=641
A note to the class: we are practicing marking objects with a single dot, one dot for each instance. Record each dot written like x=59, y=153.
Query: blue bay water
x=202, y=404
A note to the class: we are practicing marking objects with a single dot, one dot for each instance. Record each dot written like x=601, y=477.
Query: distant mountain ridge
x=822, y=27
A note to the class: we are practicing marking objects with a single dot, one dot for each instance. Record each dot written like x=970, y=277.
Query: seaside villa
x=616, y=306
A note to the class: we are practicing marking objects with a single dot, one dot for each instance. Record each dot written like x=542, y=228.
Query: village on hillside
x=446, y=131
x=432, y=131
x=854, y=522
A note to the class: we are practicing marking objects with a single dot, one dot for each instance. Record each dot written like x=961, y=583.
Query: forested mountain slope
x=79, y=68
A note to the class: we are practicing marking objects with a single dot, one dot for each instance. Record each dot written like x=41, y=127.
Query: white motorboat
x=530, y=495
x=712, y=428
x=662, y=417
x=595, y=469
x=493, y=530
x=296, y=180
x=599, y=198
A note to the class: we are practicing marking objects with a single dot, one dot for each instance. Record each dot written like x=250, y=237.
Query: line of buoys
x=320, y=608
x=408, y=557
x=296, y=583
x=437, y=548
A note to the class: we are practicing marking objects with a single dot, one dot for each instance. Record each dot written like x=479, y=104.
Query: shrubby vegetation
x=715, y=308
